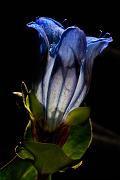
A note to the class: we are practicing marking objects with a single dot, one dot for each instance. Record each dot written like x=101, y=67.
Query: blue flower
x=69, y=55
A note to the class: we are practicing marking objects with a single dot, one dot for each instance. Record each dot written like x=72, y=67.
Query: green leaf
x=49, y=158
x=78, y=116
x=18, y=169
x=78, y=140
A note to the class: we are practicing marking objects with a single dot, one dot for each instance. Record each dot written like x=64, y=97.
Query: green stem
x=50, y=177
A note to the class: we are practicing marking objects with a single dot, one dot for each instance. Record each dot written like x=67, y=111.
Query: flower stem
x=50, y=177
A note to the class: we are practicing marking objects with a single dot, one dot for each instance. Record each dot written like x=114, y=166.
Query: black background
x=18, y=54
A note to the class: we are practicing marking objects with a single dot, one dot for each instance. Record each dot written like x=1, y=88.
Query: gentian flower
x=59, y=130
x=64, y=80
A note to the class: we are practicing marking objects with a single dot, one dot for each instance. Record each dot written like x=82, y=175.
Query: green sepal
x=78, y=116
x=78, y=141
x=47, y=155
x=24, y=95
x=35, y=106
x=49, y=158
x=18, y=169
x=23, y=153
x=28, y=132
x=77, y=165
x=25, y=92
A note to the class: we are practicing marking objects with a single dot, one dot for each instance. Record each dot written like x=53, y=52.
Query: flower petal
x=52, y=28
x=42, y=36
x=44, y=84
x=70, y=52
x=78, y=94
x=94, y=47
x=43, y=49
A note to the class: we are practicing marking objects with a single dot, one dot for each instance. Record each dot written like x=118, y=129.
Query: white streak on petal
x=78, y=90
x=90, y=39
x=80, y=98
x=78, y=101
x=54, y=93
x=67, y=91
x=47, y=79
x=39, y=93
